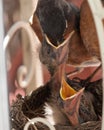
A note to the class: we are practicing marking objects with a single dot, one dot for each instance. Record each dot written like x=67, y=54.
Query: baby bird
x=54, y=21
x=86, y=104
x=44, y=97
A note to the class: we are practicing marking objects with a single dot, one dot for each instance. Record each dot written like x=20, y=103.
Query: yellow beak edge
x=66, y=90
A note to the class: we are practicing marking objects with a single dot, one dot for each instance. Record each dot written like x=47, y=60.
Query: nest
x=23, y=111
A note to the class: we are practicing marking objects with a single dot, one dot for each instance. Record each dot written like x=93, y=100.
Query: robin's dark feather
x=51, y=19
x=57, y=19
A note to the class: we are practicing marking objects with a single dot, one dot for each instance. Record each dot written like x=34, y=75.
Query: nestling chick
x=56, y=22
x=95, y=88
x=79, y=108
x=83, y=106
x=35, y=104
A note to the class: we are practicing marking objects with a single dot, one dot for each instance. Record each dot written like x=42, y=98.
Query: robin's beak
x=71, y=99
x=66, y=90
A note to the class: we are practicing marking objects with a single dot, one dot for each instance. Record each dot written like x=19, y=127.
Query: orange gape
x=66, y=90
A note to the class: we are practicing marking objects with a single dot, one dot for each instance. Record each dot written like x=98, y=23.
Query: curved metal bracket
x=38, y=119
x=34, y=52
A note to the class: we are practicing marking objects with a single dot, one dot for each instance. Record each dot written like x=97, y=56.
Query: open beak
x=66, y=90
x=71, y=100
